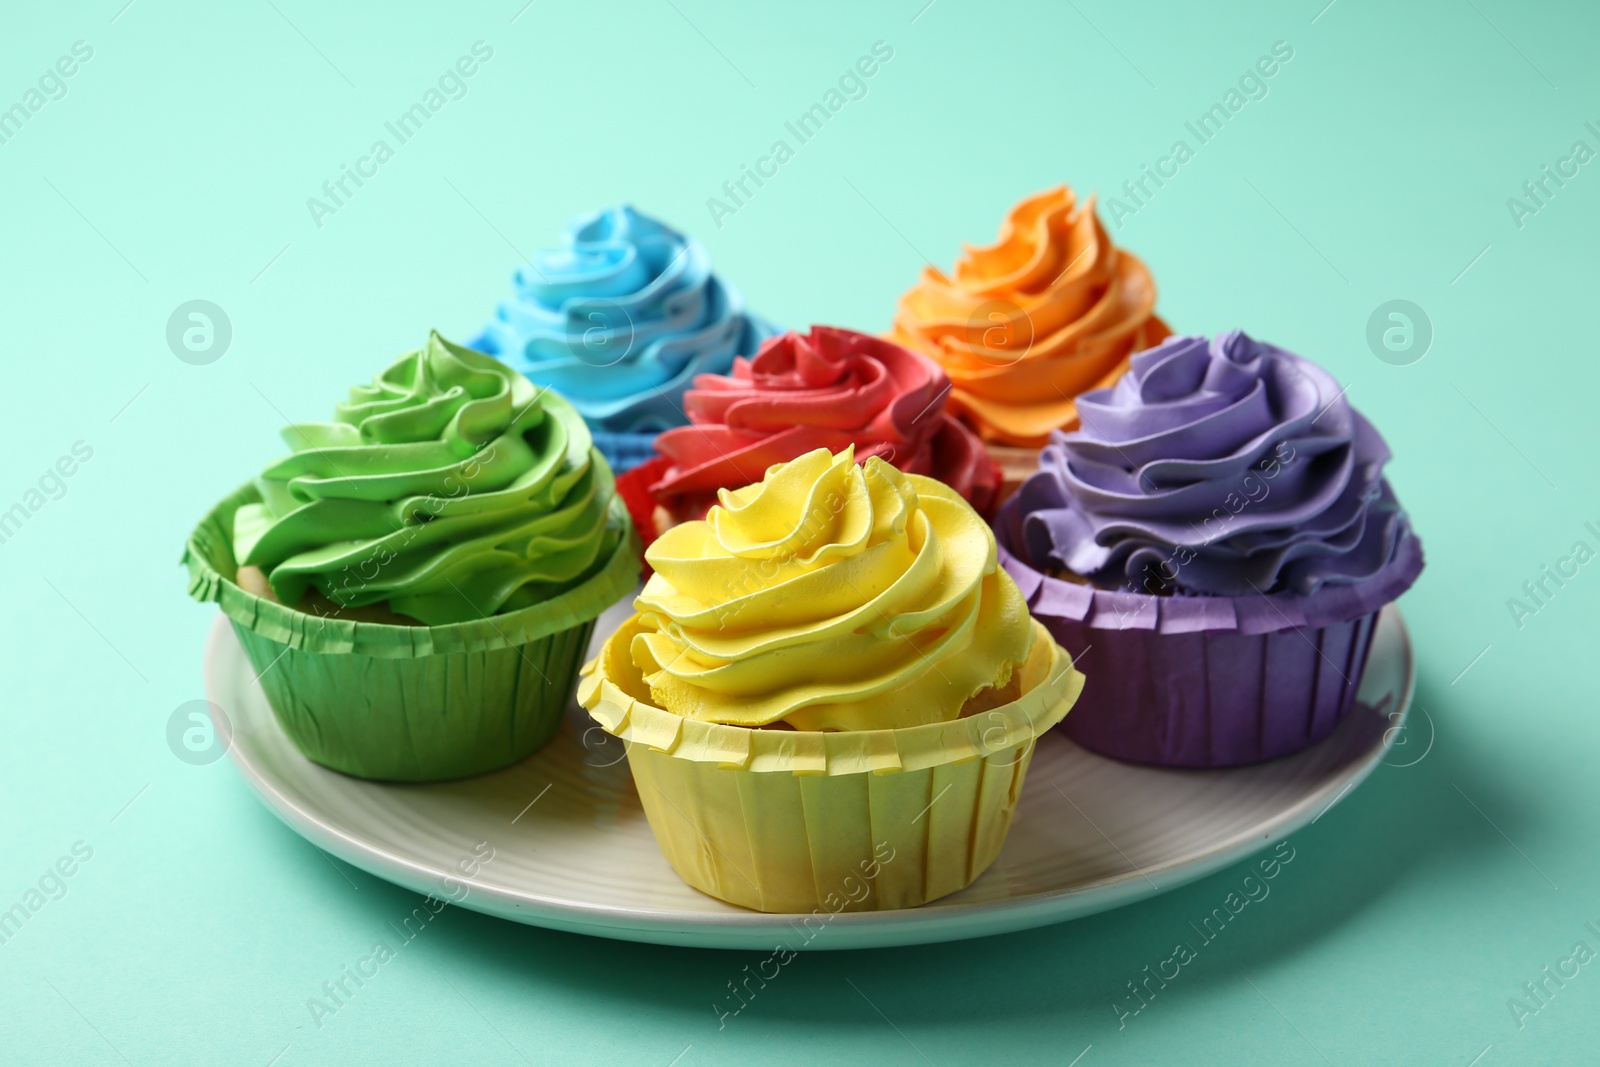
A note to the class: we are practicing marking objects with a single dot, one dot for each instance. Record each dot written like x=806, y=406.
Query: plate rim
x=870, y=928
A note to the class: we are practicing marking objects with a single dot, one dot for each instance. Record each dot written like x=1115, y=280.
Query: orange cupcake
x=1050, y=311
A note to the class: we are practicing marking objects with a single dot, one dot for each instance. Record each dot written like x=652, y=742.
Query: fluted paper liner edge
x=410, y=703
x=797, y=821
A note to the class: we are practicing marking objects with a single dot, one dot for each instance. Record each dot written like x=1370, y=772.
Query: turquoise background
x=1378, y=167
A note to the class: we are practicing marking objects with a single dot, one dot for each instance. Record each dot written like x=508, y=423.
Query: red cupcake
x=825, y=389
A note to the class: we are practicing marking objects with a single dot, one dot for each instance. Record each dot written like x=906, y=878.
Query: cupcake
x=620, y=320
x=830, y=389
x=1050, y=311
x=415, y=585
x=828, y=676
x=1218, y=539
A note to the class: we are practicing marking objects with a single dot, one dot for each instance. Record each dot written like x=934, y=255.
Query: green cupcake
x=416, y=584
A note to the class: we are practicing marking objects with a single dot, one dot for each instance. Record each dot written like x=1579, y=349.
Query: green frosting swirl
x=451, y=488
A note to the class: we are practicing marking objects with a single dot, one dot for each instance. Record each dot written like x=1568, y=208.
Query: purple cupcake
x=1213, y=547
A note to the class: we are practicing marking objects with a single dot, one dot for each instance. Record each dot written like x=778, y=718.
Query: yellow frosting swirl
x=829, y=596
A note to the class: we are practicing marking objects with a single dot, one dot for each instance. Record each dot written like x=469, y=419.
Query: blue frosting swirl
x=620, y=319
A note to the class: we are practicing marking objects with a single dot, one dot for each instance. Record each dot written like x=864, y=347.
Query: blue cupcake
x=619, y=320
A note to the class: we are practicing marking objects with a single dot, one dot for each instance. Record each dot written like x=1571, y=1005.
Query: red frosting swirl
x=825, y=389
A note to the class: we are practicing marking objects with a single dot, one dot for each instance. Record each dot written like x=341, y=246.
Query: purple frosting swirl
x=1215, y=467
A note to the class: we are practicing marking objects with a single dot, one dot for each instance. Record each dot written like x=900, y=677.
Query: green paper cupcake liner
x=410, y=703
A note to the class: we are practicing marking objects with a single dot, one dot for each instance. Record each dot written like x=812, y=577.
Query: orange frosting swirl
x=1052, y=310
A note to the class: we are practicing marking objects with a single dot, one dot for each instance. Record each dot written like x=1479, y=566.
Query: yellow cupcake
x=830, y=678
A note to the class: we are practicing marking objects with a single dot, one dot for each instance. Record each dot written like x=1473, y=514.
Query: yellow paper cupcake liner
x=796, y=821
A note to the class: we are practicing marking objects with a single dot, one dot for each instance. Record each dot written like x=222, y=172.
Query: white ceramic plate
x=571, y=849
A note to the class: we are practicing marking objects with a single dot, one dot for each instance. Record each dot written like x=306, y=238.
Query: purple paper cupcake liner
x=1209, y=681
